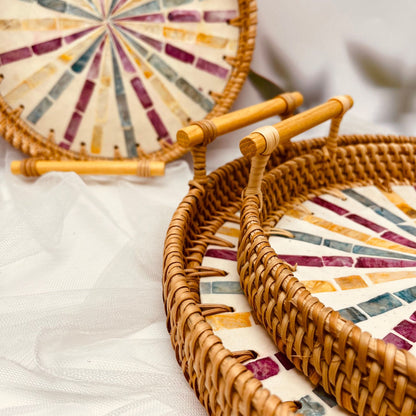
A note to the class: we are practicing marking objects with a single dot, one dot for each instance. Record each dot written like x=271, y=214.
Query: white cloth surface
x=82, y=325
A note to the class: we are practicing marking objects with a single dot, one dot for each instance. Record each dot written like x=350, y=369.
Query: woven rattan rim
x=366, y=375
x=222, y=384
x=23, y=137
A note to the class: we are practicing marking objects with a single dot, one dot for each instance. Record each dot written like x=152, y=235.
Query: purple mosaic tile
x=397, y=341
x=212, y=68
x=286, y=363
x=16, y=55
x=85, y=96
x=366, y=223
x=153, y=18
x=78, y=35
x=157, y=123
x=73, y=127
x=184, y=16
x=222, y=254
x=141, y=92
x=371, y=262
x=219, y=16
x=263, y=368
x=338, y=261
x=329, y=205
x=311, y=261
x=94, y=70
x=396, y=238
x=412, y=317
x=407, y=329
x=125, y=60
x=179, y=54
x=46, y=47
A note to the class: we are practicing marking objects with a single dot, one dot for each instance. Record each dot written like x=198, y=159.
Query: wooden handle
x=263, y=144
x=90, y=167
x=285, y=103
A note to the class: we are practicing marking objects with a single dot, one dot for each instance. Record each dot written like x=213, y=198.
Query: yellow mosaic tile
x=400, y=203
x=178, y=34
x=212, y=41
x=170, y=101
x=381, y=277
x=318, y=286
x=229, y=321
x=350, y=282
x=389, y=245
x=232, y=232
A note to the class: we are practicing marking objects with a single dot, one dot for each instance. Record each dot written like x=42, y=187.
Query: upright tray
x=301, y=219
x=98, y=79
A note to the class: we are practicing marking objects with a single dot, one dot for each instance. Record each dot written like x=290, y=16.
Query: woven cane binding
x=367, y=376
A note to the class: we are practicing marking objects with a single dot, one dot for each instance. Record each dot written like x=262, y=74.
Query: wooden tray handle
x=199, y=134
x=143, y=168
x=260, y=144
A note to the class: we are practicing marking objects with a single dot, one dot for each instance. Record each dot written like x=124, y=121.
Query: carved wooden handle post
x=33, y=167
x=260, y=144
x=199, y=134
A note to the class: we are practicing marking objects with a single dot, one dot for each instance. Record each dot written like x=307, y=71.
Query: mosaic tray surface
x=109, y=73
x=356, y=252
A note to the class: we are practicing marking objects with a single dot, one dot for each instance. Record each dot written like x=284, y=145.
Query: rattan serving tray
x=337, y=221
x=88, y=79
x=220, y=380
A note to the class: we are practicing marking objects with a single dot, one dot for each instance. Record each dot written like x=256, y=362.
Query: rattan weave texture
x=366, y=375
x=220, y=380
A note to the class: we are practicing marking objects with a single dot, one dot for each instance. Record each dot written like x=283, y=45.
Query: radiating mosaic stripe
x=65, y=80
x=146, y=102
x=148, y=8
x=323, y=261
x=123, y=109
x=41, y=48
x=101, y=112
x=342, y=246
x=41, y=24
x=354, y=234
x=65, y=7
x=371, y=225
x=158, y=86
x=181, y=54
x=85, y=96
x=171, y=75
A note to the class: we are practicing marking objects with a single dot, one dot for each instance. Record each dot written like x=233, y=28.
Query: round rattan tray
x=365, y=375
x=220, y=380
x=98, y=79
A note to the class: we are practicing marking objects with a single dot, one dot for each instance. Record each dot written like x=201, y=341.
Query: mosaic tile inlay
x=356, y=252
x=115, y=73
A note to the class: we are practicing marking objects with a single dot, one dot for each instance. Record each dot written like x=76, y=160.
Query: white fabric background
x=82, y=326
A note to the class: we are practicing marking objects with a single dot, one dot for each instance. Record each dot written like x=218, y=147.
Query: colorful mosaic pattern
x=356, y=252
x=115, y=73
